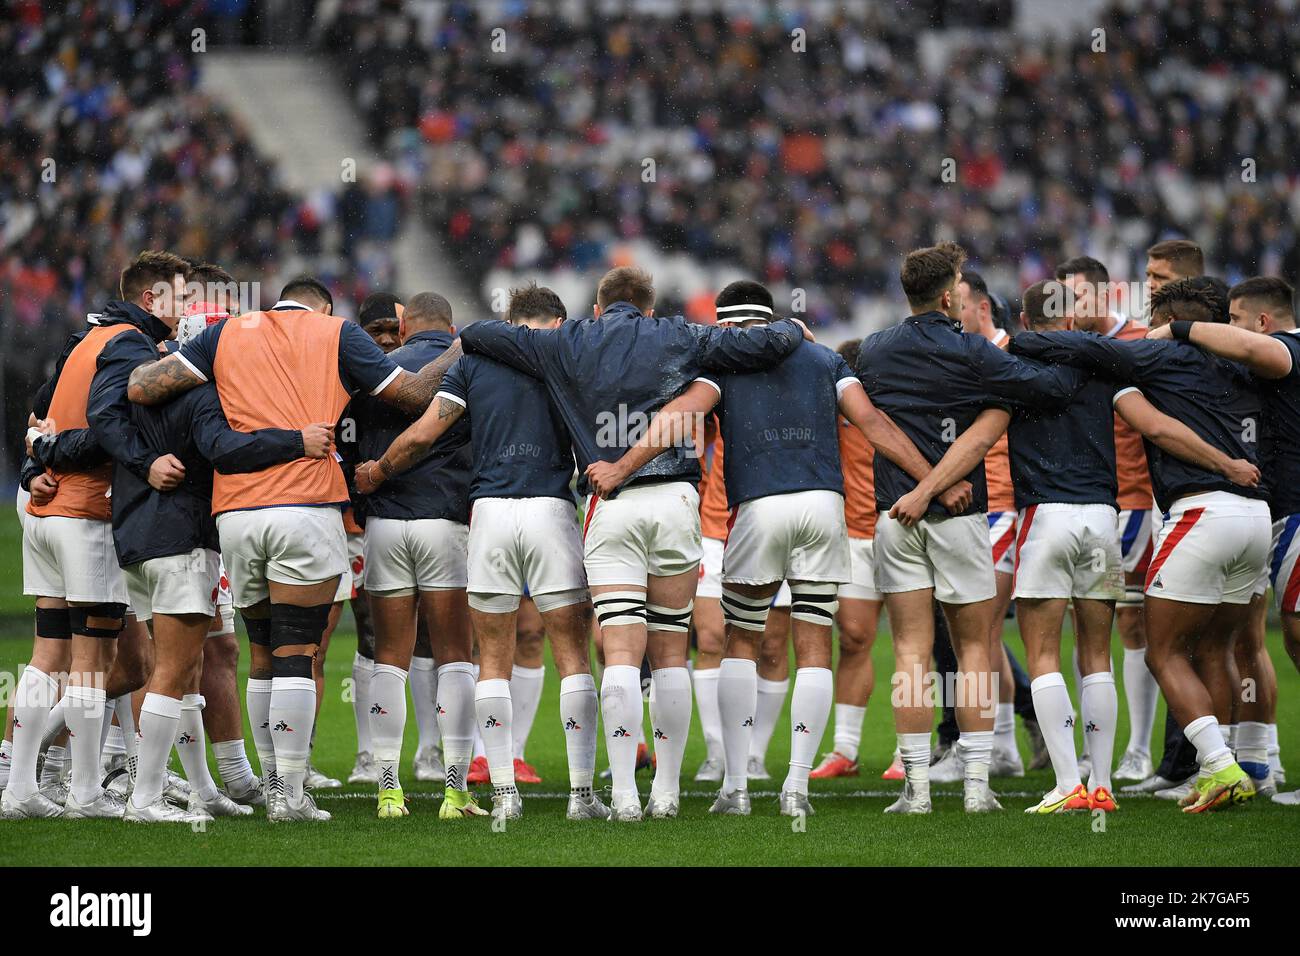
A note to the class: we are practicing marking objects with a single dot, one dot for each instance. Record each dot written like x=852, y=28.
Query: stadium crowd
x=108, y=145
x=817, y=169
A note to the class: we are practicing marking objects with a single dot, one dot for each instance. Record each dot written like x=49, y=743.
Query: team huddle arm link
x=411, y=445
x=413, y=392
x=1175, y=438
x=748, y=350
x=669, y=429
x=962, y=456
x=889, y=440
x=153, y=383
x=108, y=411
x=1264, y=355
x=234, y=452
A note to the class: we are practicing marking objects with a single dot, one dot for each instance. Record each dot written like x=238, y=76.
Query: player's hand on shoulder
x=317, y=440
x=807, y=333
x=1241, y=472
x=605, y=477
x=367, y=477
x=166, y=472
x=958, y=498
x=42, y=490
x=1165, y=331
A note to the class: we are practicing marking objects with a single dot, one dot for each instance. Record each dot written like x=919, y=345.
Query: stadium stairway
x=299, y=116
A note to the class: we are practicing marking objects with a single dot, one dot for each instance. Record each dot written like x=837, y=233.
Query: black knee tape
x=291, y=625
x=53, y=623
x=295, y=665
x=79, y=616
x=259, y=630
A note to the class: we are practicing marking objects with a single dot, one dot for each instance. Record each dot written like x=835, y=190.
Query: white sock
x=56, y=758
x=33, y=697
x=257, y=696
x=1099, y=705
x=670, y=713
x=191, y=747
x=1212, y=751
x=578, y=705
x=494, y=708
x=1252, y=743
x=387, y=722
x=1142, y=692
x=115, y=741
x=477, y=750
x=525, y=696
x=1004, y=729
x=810, y=708
x=706, y=703
x=976, y=748
x=55, y=722
x=84, y=710
x=914, y=751
x=737, y=703
x=1056, y=721
x=456, y=719
x=160, y=718
x=1274, y=751
x=423, y=679
x=1230, y=735
x=848, y=729
x=362, y=670
x=1078, y=688
x=620, y=707
x=6, y=761
x=232, y=764
x=771, y=698
x=292, y=714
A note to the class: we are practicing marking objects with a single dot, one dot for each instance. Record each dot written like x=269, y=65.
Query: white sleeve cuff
x=1124, y=391
x=708, y=381
x=844, y=383
x=386, y=382
x=190, y=365
x=451, y=398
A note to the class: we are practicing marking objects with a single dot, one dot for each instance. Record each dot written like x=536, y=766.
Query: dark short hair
x=976, y=283
x=849, y=351
x=744, y=300
x=148, y=269
x=928, y=273
x=1183, y=254
x=310, y=285
x=1094, y=270
x=1190, y=299
x=533, y=301
x=209, y=273
x=1275, y=294
x=1034, y=300
x=428, y=307
x=376, y=306
x=626, y=284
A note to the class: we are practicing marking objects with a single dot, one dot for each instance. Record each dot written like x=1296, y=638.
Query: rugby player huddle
x=152, y=476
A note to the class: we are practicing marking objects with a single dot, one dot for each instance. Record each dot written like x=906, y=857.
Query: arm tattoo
x=409, y=447
x=155, y=382
x=416, y=391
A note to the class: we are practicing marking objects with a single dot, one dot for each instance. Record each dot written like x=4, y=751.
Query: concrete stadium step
x=300, y=116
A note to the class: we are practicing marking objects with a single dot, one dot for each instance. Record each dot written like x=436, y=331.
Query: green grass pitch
x=847, y=829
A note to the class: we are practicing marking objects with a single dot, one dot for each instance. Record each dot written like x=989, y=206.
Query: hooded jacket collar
x=118, y=311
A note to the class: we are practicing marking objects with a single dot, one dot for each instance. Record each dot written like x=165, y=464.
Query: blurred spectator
x=821, y=168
